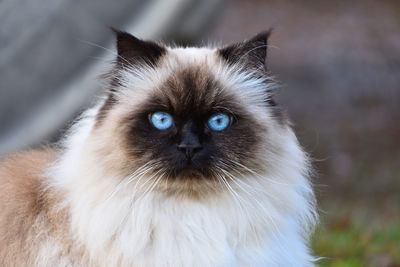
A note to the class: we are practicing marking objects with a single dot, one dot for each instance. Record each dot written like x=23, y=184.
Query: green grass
x=350, y=243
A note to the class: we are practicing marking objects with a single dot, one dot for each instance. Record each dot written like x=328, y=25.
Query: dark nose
x=189, y=149
x=190, y=143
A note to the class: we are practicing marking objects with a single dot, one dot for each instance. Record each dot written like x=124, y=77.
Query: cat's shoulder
x=21, y=173
x=21, y=202
x=26, y=165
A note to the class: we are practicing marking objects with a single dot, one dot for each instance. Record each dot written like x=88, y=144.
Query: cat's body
x=120, y=193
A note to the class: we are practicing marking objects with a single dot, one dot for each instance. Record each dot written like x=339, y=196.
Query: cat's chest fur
x=179, y=233
x=168, y=233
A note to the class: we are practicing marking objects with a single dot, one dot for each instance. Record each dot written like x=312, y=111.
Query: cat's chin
x=189, y=182
x=190, y=173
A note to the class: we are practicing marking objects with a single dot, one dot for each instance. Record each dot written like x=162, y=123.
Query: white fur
x=266, y=220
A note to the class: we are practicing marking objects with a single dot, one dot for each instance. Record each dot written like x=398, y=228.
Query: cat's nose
x=189, y=149
x=190, y=145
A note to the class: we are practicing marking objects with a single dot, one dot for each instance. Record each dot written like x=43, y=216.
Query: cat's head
x=189, y=119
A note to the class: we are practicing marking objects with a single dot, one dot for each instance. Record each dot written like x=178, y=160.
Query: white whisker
x=107, y=50
x=257, y=174
x=124, y=182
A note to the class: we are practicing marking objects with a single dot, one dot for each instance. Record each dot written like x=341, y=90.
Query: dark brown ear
x=251, y=53
x=132, y=50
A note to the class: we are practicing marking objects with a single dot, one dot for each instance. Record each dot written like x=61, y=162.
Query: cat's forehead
x=192, y=91
x=190, y=54
x=181, y=76
x=193, y=81
x=172, y=66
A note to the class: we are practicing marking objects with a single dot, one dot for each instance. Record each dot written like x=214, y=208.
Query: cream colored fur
x=257, y=219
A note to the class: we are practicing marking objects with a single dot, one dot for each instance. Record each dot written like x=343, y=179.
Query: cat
x=187, y=160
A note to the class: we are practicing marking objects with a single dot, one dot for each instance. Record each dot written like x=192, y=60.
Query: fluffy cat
x=186, y=161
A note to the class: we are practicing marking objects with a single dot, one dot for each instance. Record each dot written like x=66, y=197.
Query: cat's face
x=193, y=117
x=192, y=126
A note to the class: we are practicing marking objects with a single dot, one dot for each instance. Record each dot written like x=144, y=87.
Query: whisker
x=276, y=232
x=107, y=50
x=257, y=47
x=257, y=174
x=153, y=184
x=253, y=189
x=150, y=178
x=124, y=182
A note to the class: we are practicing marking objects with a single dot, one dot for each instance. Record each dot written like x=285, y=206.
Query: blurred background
x=339, y=63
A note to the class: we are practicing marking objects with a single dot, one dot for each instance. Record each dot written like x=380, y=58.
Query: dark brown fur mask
x=191, y=88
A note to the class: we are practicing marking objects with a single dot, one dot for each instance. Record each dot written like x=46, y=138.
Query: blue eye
x=161, y=120
x=219, y=122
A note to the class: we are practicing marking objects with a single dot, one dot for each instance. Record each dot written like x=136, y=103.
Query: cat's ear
x=251, y=53
x=132, y=50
